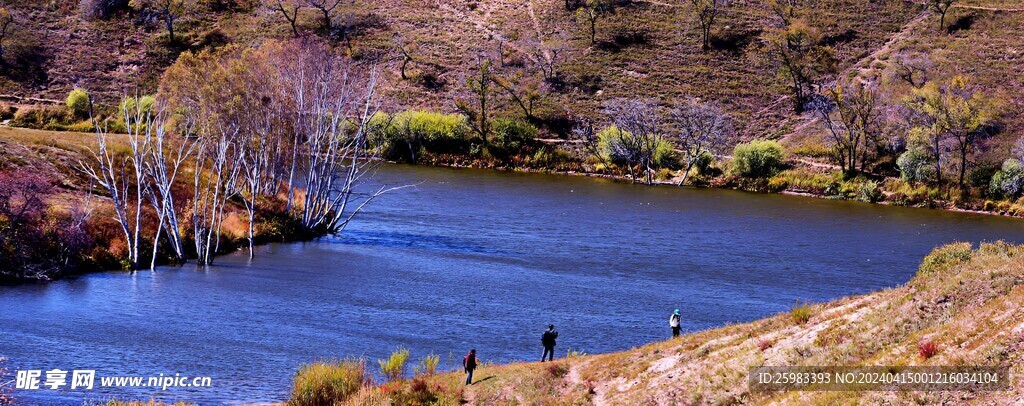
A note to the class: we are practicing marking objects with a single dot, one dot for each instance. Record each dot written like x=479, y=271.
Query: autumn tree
x=168, y=155
x=699, y=129
x=122, y=176
x=801, y=58
x=706, y=12
x=956, y=112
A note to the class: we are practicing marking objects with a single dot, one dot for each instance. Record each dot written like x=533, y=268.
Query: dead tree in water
x=166, y=158
x=123, y=177
x=332, y=145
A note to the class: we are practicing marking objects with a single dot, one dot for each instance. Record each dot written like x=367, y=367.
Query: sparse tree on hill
x=912, y=68
x=405, y=49
x=290, y=10
x=168, y=10
x=592, y=11
x=700, y=129
x=941, y=7
x=706, y=12
x=801, y=58
x=6, y=19
x=325, y=7
x=524, y=90
x=547, y=55
x=850, y=113
x=478, y=111
x=783, y=10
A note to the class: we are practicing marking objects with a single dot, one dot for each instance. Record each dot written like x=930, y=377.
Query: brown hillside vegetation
x=642, y=49
x=963, y=307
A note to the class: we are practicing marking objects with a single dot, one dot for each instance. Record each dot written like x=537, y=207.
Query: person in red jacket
x=469, y=364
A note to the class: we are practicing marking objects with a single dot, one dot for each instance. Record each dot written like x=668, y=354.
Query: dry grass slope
x=967, y=302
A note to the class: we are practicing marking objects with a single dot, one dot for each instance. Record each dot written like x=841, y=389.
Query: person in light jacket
x=673, y=321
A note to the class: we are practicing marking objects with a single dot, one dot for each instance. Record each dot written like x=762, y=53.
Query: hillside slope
x=966, y=302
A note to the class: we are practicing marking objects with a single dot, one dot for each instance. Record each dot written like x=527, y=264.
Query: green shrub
x=78, y=103
x=547, y=157
x=408, y=135
x=870, y=192
x=1009, y=180
x=665, y=155
x=39, y=116
x=393, y=367
x=325, y=383
x=510, y=135
x=946, y=255
x=916, y=165
x=616, y=146
x=703, y=162
x=758, y=159
x=130, y=104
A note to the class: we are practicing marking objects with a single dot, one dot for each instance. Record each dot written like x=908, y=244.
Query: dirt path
x=575, y=379
x=536, y=27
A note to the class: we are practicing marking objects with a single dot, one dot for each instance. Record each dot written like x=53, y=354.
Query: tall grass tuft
x=428, y=365
x=324, y=383
x=393, y=367
x=800, y=313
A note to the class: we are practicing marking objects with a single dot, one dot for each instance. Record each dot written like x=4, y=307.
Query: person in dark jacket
x=548, y=340
x=469, y=364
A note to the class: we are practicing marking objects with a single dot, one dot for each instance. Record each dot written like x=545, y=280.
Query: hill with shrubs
x=885, y=101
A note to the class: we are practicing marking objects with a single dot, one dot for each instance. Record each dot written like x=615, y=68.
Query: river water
x=471, y=259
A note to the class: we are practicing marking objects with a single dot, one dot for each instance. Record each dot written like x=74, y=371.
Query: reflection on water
x=473, y=259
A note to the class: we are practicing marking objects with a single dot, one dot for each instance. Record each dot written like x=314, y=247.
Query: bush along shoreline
x=421, y=137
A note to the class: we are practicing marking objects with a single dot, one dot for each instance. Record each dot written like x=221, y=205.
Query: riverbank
x=800, y=179
x=961, y=309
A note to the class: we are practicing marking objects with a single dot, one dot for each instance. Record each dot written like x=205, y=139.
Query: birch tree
x=123, y=176
x=167, y=156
